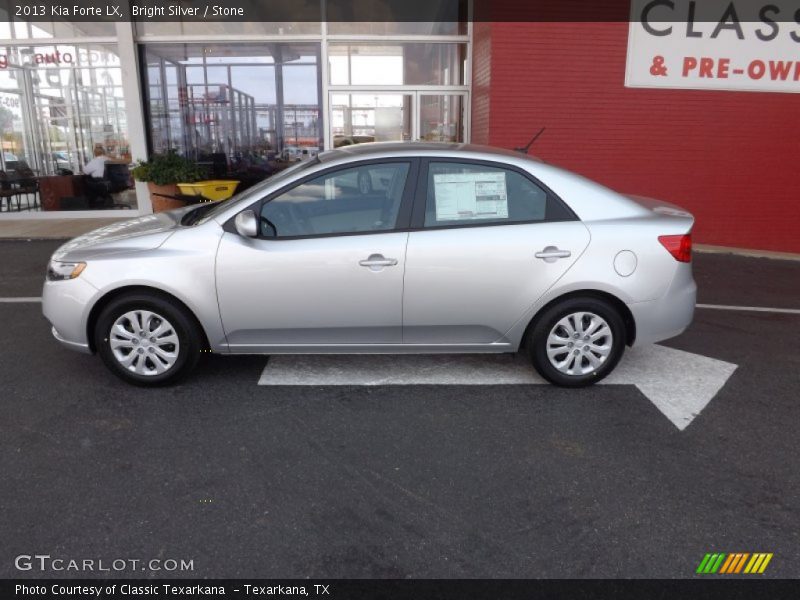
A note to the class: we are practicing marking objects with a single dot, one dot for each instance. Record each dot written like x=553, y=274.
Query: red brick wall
x=481, y=81
x=731, y=158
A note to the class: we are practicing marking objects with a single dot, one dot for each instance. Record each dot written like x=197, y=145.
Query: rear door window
x=475, y=194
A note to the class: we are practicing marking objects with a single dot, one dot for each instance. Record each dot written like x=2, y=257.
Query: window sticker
x=470, y=196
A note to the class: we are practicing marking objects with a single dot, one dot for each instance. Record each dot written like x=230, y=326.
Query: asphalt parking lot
x=422, y=481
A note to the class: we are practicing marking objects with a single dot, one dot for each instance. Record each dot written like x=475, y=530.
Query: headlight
x=59, y=271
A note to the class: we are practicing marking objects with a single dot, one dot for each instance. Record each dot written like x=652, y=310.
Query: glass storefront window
x=389, y=28
x=210, y=28
x=62, y=113
x=409, y=63
x=20, y=30
x=242, y=98
x=441, y=117
x=242, y=110
x=435, y=17
x=379, y=117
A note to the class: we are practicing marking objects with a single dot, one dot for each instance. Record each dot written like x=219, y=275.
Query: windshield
x=209, y=210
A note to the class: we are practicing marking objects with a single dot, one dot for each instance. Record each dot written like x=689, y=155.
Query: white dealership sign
x=749, y=45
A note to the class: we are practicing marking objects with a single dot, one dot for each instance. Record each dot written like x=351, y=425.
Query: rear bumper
x=670, y=315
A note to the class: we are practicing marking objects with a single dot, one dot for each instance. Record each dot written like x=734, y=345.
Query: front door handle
x=552, y=254
x=377, y=261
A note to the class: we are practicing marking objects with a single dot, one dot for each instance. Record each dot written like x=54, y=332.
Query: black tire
x=547, y=321
x=190, y=340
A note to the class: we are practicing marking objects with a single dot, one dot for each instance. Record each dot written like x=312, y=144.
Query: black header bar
x=399, y=10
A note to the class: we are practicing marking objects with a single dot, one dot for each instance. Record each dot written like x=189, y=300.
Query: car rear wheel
x=577, y=342
x=147, y=339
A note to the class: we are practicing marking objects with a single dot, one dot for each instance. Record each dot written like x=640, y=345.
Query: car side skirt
x=493, y=348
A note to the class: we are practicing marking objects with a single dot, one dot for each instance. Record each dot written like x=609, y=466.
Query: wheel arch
x=619, y=305
x=111, y=295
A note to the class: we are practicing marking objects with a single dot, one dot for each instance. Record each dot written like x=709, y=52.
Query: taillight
x=680, y=246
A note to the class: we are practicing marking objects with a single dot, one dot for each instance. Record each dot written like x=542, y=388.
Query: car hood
x=143, y=233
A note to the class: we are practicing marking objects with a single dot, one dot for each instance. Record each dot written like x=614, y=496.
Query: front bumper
x=66, y=305
x=77, y=346
x=670, y=315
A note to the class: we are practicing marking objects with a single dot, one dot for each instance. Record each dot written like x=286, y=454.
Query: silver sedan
x=383, y=248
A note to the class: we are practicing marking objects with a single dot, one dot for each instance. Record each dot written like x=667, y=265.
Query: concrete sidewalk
x=52, y=228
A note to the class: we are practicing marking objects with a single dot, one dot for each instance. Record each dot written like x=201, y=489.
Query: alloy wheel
x=144, y=342
x=579, y=343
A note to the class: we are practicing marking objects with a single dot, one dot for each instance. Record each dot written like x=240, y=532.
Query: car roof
x=383, y=149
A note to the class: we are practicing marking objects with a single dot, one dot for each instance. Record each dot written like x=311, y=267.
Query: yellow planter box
x=213, y=189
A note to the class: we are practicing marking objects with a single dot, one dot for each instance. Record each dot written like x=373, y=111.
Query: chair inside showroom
x=219, y=164
x=28, y=186
x=116, y=178
x=8, y=192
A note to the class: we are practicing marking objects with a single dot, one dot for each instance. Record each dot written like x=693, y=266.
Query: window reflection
x=388, y=17
x=61, y=112
x=360, y=118
x=397, y=28
x=242, y=110
x=397, y=64
x=441, y=117
x=177, y=28
x=359, y=200
x=20, y=30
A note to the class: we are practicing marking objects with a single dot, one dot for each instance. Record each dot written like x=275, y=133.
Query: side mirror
x=246, y=224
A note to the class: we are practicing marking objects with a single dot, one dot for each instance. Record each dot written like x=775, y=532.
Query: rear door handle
x=376, y=261
x=552, y=254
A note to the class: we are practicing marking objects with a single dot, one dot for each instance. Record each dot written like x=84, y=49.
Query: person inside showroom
x=97, y=166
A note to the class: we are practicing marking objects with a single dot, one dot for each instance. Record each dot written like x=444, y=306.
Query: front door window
x=362, y=199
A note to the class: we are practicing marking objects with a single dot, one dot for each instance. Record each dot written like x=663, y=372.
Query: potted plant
x=163, y=172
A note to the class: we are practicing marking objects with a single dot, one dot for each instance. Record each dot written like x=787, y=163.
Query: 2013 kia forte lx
x=383, y=248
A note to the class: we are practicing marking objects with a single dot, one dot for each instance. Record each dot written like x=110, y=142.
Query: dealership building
x=701, y=110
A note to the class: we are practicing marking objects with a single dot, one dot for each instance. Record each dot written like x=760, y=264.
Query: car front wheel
x=147, y=339
x=577, y=342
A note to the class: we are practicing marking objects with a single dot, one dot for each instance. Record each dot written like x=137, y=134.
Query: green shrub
x=165, y=169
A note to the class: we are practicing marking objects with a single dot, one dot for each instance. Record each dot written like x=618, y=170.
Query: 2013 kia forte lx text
x=383, y=248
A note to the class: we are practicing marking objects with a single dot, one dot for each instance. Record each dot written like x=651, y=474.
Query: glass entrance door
x=441, y=117
x=370, y=117
x=363, y=116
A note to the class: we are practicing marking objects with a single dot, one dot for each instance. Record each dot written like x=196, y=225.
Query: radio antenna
x=524, y=150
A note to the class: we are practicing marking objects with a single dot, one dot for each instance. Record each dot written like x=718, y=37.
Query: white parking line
x=679, y=383
x=789, y=311
x=21, y=299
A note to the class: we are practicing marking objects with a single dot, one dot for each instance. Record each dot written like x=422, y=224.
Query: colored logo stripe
x=758, y=563
x=710, y=563
x=702, y=567
x=737, y=563
x=734, y=563
x=727, y=564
